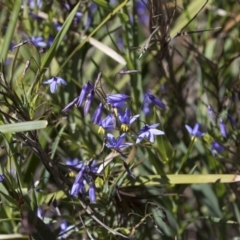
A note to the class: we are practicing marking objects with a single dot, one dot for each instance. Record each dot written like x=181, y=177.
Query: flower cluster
x=118, y=118
x=84, y=178
x=215, y=146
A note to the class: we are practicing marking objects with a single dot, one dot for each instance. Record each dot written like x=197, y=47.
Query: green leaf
x=14, y=236
x=23, y=126
x=103, y=3
x=164, y=148
x=11, y=26
x=9, y=198
x=56, y=142
x=152, y=180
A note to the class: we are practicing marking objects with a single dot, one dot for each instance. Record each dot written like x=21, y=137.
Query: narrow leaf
x=23, y=126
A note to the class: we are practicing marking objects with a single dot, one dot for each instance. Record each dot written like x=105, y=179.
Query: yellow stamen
x=72, y=174
x=101, y=130
x=124, y=127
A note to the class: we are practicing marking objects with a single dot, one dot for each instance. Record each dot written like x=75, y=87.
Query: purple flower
x=116, y=144
x=216, y=147
x=77, y=16
x=98, y=114
x=54, y=82
x=88, y=102
x=40, y=212
x=2, y=177
x=211, y=113
x=72, y=162
x=232, y=120
x=38, y=42
x=92, y=10
x=148, y=132
x=223, y=129
x=92, y=193
x=195, y=132
x=146, y=108
x=83, y=177
x=142, y=11
x=126, y=120
x=70, y=105
x=87, y=88
x=32, y=3
x=78, y=183
x=117, y=100
x=154, y=100
x=107, y=123
x=64, y=228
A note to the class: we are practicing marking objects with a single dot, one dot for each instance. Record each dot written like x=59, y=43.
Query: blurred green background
x=186, y=53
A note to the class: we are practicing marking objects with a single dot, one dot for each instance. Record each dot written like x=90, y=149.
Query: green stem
x=185, y=158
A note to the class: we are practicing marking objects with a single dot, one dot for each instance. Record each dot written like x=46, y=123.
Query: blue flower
x=77, y=16
x=154, y=100
x=223, y=129
x=88, y=102
x=31, y=3
x=108, y=123
x=116, y=143
x=40, y=212
x=54, y=82
x=72, y=162
x=2, y=177
x=38, y=42
x=70, y=105
x=146, y=104
x=148, y=132
x=195, y=132
x=92, y=193
x=216, y=147
x=126, y=120
x=211, y=113
x=232, y=120
x=98, y=114
x=83, y=177
x=142, y=11
x=64, y=228
x=78, y=183
x=117, y=100
x=92, y=9
x=87, y=88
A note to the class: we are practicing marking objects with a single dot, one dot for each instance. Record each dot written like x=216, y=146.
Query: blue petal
x=53, y=87
x=97, y=114
x=92, y=193
x=223, y=129
x=85, y=91
x=133, y=119
x=150, y=137
x=120, y=140
x=114, y=98
x=154, y=125
x=156, y=132
x=195, y=130
x=48, y=81
x=189, y=129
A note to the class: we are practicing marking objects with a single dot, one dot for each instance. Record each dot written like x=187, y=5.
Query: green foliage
x=175, y=186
